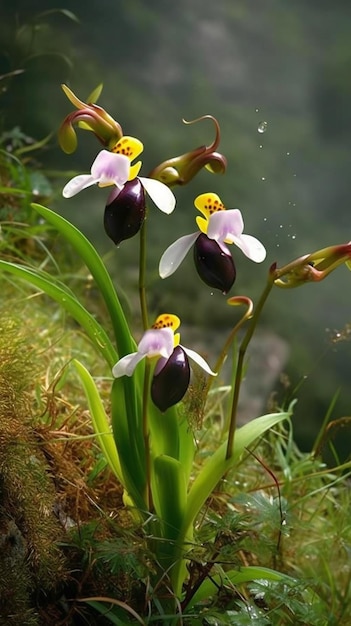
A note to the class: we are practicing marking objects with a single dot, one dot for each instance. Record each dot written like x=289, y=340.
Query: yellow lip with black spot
x=168, y=320
x=131, y=147
x=207, y=204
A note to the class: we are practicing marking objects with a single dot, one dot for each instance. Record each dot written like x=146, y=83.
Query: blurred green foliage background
x=243, y=61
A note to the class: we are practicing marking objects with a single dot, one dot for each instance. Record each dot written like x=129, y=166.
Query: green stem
x=146, y=434
x=247, y=315
x=142, y=276
x=145, y=320
x=239, y=369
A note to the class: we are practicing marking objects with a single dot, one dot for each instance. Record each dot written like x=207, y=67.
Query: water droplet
x=261, y=146
x=294, y=175
x=257, y=110
x=293, y=236
x=280, y=225
x=262, y=127
x=288, y=154
x=211, y=294
x=264, y=219
x=263, y=178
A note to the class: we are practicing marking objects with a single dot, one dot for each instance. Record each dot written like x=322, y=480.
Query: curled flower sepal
x=181, y=169
x=172, y=371
x=218, y=228
x=89, y=116
x=312, y=267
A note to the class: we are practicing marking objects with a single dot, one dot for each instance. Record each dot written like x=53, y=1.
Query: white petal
x=199, y=360
x=175, y=253
x=77, y=184
x=127, y=365
x=223, y=224
x=157, y=341
x=110, y=168
x=251, y=247
x=159, y=193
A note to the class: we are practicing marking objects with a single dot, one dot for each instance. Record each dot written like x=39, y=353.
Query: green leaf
x=125, y=400
x=128, y=436
x=99, y=419
x=217, y=465
x=210, y=586
x=169, y=493
x=171, y=435
x=164, y=431
x=212, y=472
x=186, y=446
x=170, y=488
x=93, y=261
x=69, y=302
x=14, y=191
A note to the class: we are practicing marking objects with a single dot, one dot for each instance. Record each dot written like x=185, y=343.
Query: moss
x=31, y=563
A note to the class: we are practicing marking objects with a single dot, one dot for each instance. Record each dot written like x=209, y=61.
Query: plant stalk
x=142, y=276
x=146, y=435
x=239, y=369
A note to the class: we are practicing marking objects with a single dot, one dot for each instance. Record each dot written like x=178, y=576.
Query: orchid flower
x=218, y=228
x=125, y=209
x=114, y=168
x=172, y=371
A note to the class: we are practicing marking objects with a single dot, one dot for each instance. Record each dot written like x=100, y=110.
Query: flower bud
x=312, y=267
x=125, y=214
x=215, y=267
x=170, y=384
x=181, y=169
x=91, y=117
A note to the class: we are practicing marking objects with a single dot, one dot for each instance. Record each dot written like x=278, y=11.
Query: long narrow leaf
x=210, y=475
x=217, y=465
x=210, y=586
x=100, y=421
x=98, y=270
x=169, y=492
x=69, y=302
x=129, y=439
x=124, y=340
